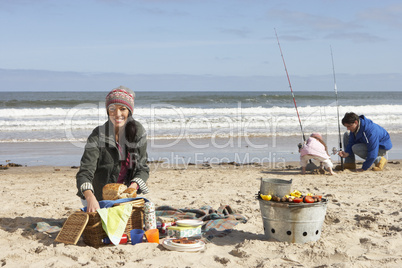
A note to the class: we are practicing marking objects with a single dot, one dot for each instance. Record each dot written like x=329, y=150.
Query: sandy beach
x=362, y=227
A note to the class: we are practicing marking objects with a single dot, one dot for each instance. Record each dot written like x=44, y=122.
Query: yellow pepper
x=296, y=193
x=266, y=197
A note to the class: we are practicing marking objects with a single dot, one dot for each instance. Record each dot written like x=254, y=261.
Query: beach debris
x=14, y=165
x=46, y=227
x=155, y=161
x=256, y=164
x=180, y=168
x=9, y=165
x=222, y=260
x=206, y=165
x=319, y=171
x=228, y=163
x=239, y=253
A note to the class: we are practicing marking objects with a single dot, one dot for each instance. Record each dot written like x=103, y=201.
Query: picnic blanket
x=216, y=222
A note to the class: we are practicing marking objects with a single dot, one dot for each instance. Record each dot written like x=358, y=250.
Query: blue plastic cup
x=136, y=236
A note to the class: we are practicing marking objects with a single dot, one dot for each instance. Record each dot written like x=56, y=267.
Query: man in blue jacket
x=366, y=140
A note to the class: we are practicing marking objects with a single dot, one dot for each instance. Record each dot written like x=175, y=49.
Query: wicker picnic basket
x=94, y=233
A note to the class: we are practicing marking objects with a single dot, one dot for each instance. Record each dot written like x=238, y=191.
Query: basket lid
x=136, y=203
x=73, y=228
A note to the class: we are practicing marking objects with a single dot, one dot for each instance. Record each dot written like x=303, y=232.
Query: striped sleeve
x=143, y=187
x=86, y=186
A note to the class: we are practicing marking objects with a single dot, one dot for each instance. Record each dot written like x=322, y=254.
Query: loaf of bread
x=129, y=193
x=113, y=191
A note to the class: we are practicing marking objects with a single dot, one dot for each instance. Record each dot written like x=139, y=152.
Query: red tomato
x=298, y=200
x=308, y=199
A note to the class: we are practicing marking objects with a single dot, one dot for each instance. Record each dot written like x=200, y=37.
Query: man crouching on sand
x=365, y=139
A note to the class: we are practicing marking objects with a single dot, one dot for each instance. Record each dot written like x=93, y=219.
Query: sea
x=51, y=128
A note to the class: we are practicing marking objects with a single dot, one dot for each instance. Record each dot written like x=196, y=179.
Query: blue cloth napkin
x=110, y=203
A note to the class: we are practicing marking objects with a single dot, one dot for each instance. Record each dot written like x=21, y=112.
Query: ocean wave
x=170, y=122
x=171, y=110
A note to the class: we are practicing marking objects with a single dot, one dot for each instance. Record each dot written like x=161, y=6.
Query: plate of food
x=185, y=242
x=168, y=244
x=189, y=223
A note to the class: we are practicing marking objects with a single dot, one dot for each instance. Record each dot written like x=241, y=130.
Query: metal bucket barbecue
x=275, y=187
x=293, y=222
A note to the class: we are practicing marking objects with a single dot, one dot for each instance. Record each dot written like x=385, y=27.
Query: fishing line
x=337, y=106
x=290, y=85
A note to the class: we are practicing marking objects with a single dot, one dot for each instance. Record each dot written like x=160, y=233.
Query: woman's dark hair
x=350, y=118
x=128, y=142
x=130, y=129
x=130, y=145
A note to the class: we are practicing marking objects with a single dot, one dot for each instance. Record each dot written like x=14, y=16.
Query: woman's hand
x=133, y=185
x=92, y=202
x=343, y=154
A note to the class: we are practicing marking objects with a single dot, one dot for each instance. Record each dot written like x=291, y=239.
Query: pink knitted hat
x=121, y=96
x=317, y=135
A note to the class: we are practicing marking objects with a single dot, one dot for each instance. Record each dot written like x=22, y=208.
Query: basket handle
x=95, y=225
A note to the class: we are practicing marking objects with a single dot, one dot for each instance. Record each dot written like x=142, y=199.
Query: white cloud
x=237, y=32
x=389, y=15
x=356, y=37
x=311, y=21
x=315, y=26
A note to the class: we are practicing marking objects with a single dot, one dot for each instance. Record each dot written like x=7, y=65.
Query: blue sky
x=200, y=44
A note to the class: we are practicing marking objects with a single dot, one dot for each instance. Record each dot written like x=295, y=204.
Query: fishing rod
x=337, y=107
x=290, y=85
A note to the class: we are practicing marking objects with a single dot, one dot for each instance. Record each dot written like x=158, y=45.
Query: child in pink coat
x=315, y=148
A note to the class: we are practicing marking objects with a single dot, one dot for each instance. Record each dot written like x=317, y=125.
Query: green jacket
x=100, y=163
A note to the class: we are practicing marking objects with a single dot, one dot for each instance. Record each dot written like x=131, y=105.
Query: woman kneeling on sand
x=115, y=152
